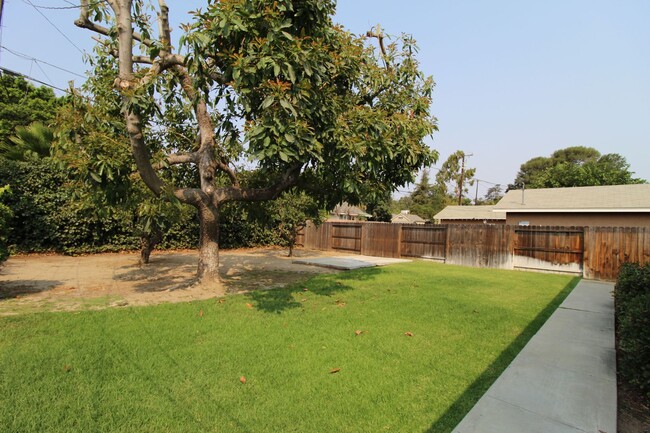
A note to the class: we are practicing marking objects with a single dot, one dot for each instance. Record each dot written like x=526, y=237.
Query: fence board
x=426, y=241
x=596, y=252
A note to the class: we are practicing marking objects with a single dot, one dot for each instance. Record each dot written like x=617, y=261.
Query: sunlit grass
x=431, y=340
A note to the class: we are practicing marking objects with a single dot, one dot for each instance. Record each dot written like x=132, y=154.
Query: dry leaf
x=222, y=301
x=201, y=313
x=335, y=370
x=305, y=289
x=249, y=305
x=357, y=332
x=67, y=368
x=408, y=334
x=242, y=379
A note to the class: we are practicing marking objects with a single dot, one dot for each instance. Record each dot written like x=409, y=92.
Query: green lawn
x=177, y=367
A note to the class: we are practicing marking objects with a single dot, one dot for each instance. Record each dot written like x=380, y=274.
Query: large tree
x=574, y=166
x=274, y=85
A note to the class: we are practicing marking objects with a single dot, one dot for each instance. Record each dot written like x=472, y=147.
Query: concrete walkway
x=564, y=380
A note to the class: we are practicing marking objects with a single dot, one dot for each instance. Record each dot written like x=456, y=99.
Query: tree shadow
x=457, y=411
x=280, y=299
x=20, y=288
x=162, y=273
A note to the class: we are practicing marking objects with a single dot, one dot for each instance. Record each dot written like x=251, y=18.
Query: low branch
x=289, y=179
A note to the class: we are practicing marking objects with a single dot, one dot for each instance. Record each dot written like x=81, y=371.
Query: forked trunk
x=208, y=270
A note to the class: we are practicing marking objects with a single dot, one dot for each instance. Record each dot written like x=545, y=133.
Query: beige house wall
x=595, y=219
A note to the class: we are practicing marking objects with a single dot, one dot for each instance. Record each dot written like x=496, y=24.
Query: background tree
x=427, y=199
x=21, y=103
x=574, y=166
x=290, y=213
x=278, y=84
x=493, y=195
x=454, y=176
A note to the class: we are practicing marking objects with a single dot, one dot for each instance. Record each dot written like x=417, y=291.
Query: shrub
x=632, y=295
x=5, y=217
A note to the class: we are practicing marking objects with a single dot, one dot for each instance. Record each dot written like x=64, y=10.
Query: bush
x=5, y=217
x=632, y=295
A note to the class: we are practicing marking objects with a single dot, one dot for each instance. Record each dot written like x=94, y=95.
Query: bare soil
x=31, y=283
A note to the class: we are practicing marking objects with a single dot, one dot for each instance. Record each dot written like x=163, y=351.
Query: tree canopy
x=21, y=103
x=273, y=86
x=574, y=166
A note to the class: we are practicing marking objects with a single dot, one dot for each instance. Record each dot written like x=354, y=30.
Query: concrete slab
x=564, y=380
x=346, y=263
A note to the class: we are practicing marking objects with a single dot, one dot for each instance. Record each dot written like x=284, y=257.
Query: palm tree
x=33, y=141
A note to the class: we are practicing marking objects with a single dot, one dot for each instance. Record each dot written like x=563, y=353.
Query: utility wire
x=53, y=25
x=18, y=74
x=27, y=57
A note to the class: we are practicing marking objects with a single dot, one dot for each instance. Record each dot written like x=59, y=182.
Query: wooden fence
x=594, y=252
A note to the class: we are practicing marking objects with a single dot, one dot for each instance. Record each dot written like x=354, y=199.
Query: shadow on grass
x=16, y=289
x=281, y=299
x=457, y=411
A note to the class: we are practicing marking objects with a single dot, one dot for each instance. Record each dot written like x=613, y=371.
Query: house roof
x=347, y=209
x=408, y=217
x=469, y=213
x=610, y=198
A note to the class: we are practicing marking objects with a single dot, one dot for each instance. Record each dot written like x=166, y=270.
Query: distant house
x=347, y=212
x=406, y=217
x=605, y=206
x=469, y=215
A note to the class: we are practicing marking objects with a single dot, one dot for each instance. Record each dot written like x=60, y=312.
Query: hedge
x=632, y=294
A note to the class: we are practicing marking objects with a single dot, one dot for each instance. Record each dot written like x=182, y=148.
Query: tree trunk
x=208, y=270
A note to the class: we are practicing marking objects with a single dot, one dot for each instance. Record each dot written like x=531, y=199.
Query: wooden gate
x=347, y=237
x=426, y=241
x=557, y=249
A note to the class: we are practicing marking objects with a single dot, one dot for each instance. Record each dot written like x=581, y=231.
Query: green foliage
x=5, y=217
x=426, y=200
x=492, y=196
x=632, y=295
x=30, y=142
x=21, y=103
x=454, y=176
x=574, y=166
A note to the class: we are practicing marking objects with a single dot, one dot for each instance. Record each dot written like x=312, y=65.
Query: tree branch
x=380, y=37
x=289, y=179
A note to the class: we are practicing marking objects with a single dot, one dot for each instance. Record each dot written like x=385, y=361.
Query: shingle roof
x=410, y=218
x=610, y=198
x=349, y=210
x=469, y=213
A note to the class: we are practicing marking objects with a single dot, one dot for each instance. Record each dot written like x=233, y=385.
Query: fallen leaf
x=341, y=304
x=305, y=289
x=242, y=379
x=249, y=305
x=335, y=370
x=201, y=313
x=357, y=332
x=222, y=301
x=303, y=300
x=408, y=334
x=67, y=368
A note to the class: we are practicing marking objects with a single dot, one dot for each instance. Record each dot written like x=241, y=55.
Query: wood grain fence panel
x=381, y=239
x=346, y=237
x=426, y=241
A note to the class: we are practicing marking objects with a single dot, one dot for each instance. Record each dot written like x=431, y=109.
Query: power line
x=28, y=57
x=53, y=25
x=18, y=74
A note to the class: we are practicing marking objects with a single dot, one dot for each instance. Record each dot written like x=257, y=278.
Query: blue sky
x=515, y=79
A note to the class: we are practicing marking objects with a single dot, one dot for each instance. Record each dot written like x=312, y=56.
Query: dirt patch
x=62, y=283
